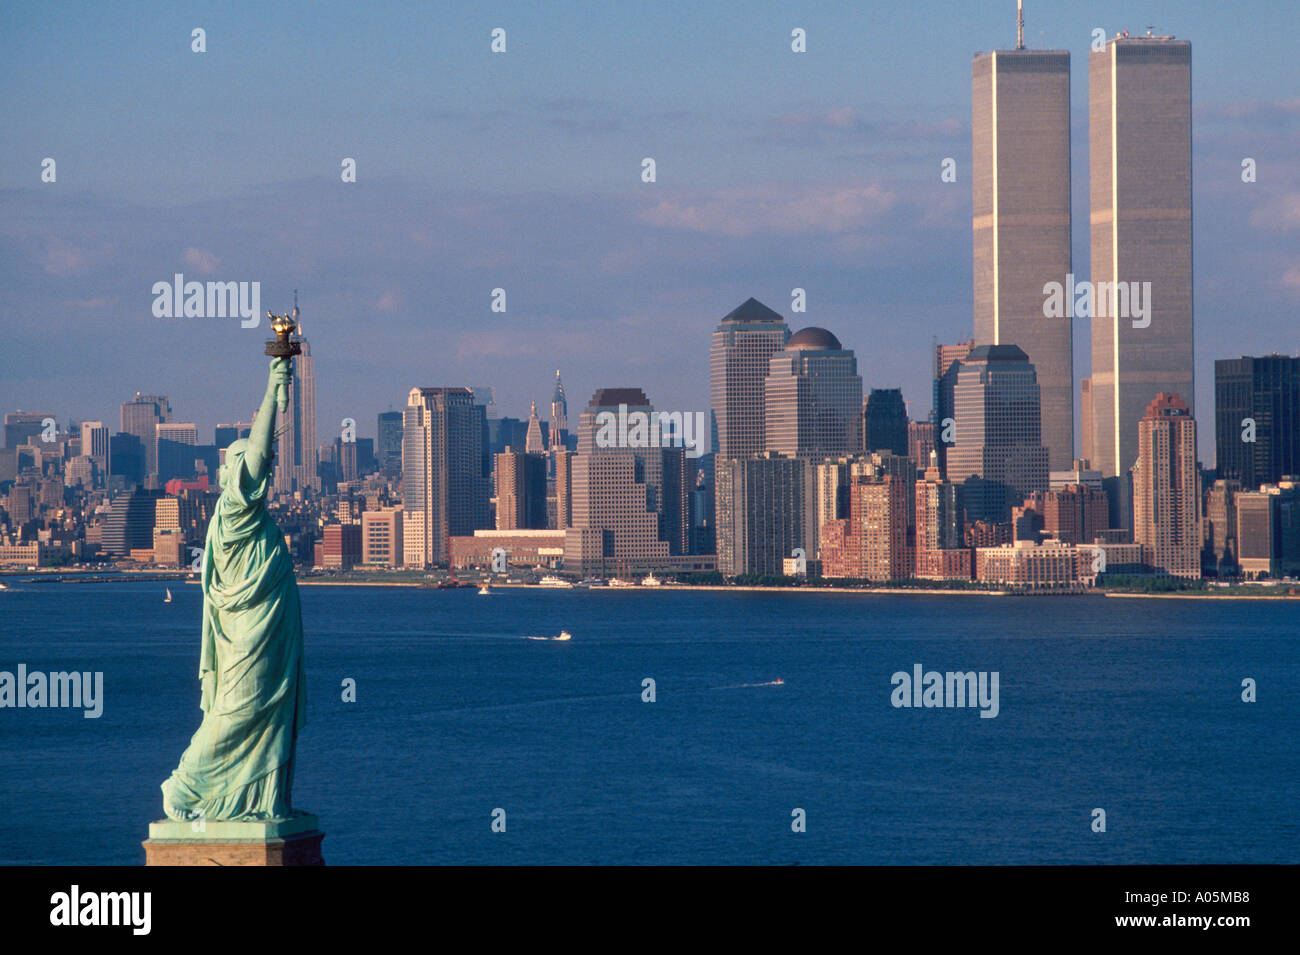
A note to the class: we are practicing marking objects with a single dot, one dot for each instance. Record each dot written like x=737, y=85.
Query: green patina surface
x=259, y=830
x=239, y=764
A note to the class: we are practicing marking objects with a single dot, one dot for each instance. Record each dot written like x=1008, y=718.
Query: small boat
x=620, y=582
x=564, y=635
x=168, y=598
x=650, y=580
x=550, y=580
x=3, y=585
x=485, y=591
x=778, y=681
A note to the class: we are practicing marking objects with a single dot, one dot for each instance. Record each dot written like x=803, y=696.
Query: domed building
x=813, y=398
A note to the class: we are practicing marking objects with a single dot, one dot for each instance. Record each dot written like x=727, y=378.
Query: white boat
x=485, y=591
x=3, y=585
x=620, y=582
x=550, y=580
x=564, y=635
x=651, y=580
x=168, y=598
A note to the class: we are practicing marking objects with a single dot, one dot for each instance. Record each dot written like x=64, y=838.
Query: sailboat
x=168, y=598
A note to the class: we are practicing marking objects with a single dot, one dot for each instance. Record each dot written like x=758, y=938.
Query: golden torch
x=284, y=346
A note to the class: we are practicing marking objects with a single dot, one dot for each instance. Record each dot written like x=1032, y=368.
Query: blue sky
x=522, y=171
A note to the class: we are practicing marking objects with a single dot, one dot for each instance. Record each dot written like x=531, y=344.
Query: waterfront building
x=445, y=489
x=1166, y=488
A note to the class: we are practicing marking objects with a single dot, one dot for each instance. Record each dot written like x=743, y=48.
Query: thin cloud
x=205, y=262
x=1280, y=215
x=773, y=210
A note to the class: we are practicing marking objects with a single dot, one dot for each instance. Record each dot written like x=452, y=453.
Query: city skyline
x=843, y=198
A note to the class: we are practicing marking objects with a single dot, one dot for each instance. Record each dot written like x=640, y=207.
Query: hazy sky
x=522, y=171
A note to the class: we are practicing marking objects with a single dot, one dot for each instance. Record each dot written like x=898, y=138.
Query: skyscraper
x=881, y=515
x=176, y=449
x=224, y=435
x=295, y=463
x=884, y=421
x=94, y=444
x=1167, y=488
x=23, y=426
x=1140, y=161
x=997, y=455
x=126, y=460
x=534, y=441
x=129, y=525
x=675, y=514
x=390, y=442
x=1268, y=530
x=141, y=417
x=444, y=482
x=562, y=462
x=947, y=362
x=521, y=490
x=813, y=401
x=617, y=495
x=920, y=444
x=939, y=549
x=1020, y=188
x=703, y=510
x=1219, y=530
x=559, y=416
x=874, y=540
x=1256, y=419
x=812, y=398
x=763, y=512
x=743, y=343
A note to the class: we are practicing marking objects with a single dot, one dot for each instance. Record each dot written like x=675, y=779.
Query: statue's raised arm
x=261, y=439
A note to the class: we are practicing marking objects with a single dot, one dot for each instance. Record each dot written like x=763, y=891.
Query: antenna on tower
x=1020, y=25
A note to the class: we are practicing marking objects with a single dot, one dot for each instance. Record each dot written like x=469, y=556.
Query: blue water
x=1133, y=706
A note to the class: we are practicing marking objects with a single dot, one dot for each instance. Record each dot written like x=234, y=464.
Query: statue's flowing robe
x=239, y=764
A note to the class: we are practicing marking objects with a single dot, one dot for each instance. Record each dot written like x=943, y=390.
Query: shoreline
x=722, y=588
x=130, y=576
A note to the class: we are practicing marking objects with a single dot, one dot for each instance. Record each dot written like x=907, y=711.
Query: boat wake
x=744, y=686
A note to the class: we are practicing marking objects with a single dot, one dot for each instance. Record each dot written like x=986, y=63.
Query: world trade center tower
x=1140, y=154
x=1020, y=190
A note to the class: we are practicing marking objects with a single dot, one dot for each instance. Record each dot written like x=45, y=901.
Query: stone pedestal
x=294, y=841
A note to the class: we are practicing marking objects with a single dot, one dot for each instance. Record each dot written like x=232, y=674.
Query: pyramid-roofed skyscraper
x=743, y=344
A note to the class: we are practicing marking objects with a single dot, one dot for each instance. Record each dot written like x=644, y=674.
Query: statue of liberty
x=239, y=764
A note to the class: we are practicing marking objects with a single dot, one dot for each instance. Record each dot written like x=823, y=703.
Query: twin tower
x=1140, y=217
